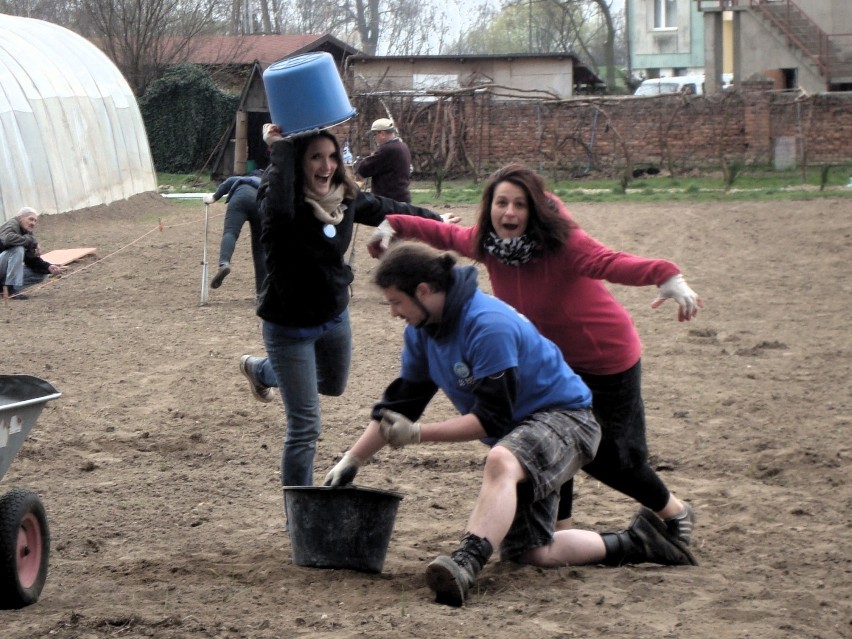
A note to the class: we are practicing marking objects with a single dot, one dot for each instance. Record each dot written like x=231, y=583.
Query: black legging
x=622, y=458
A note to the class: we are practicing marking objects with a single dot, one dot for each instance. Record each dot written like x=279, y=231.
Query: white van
x=693, y=84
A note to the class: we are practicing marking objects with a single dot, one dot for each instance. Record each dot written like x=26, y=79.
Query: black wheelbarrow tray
x=24, y=534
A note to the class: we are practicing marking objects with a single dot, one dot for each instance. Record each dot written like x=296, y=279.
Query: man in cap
x=390, y=164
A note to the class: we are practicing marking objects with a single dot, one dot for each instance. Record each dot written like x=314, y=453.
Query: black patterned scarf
x=514, y=251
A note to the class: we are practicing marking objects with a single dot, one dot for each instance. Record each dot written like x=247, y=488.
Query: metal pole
x=204, y=286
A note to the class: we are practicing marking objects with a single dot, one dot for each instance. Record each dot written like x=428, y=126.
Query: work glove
x=676, y=288
x=345, y=470
x=398, y=430
x=271, y=134
x=380, y=240
x=208, y=198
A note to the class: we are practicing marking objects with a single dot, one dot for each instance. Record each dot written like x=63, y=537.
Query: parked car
x=678, y=84
x=693, y=84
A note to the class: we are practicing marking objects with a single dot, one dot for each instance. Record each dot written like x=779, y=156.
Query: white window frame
x=662, y=19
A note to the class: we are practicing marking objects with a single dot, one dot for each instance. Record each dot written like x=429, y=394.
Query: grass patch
x=749, y=184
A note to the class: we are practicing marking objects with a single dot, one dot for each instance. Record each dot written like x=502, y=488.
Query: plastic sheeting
x=71, y=134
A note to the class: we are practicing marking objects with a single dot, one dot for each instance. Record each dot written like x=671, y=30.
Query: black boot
x=647, y=540
x=452, y=577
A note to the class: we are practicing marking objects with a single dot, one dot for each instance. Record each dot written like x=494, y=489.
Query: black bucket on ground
x=341, y=527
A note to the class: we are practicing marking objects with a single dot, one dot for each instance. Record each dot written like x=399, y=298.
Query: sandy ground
x=159, y=471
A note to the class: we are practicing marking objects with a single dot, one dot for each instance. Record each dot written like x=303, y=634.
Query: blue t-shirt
x=491, y=337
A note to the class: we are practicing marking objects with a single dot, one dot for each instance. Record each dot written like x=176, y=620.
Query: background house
x=522, y=75
x=241, y=147
x=666, y=38
x=805, y=45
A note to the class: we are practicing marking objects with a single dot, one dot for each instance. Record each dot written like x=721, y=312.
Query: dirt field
x=159, y=471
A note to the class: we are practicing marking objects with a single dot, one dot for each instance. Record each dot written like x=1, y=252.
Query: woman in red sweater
x=549, y=269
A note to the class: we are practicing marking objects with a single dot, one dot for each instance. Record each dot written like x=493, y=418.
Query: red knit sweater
x=562, y=294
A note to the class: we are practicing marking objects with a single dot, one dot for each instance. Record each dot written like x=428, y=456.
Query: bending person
x=240, y=193
x=548, y=268
x=309, y=206
x=510, y=384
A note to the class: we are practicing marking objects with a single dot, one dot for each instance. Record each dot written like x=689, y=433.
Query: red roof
x=246, y=49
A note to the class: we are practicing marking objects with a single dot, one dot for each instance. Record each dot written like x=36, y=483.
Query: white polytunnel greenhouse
x=71, y=134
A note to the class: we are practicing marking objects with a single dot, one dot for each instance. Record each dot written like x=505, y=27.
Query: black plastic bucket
x=342, y=527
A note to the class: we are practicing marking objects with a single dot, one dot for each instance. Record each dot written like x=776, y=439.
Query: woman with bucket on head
x=309, y=206
x=508, y=383
x=548, y=268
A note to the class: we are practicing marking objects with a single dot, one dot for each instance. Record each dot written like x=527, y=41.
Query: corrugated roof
x=246, y=49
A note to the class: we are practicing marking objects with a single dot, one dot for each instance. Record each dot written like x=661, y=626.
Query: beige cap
x=382, y=124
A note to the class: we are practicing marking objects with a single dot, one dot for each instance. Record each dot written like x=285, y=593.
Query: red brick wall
x=470, y=135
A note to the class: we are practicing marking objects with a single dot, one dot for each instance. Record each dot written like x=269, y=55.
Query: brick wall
x=472, y=134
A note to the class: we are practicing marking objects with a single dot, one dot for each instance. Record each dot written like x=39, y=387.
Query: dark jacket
x=231, y=184
x=12, y=235
x=308, y=277
x=390, y=169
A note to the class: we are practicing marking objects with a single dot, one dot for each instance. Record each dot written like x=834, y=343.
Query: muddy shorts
x=552, y=447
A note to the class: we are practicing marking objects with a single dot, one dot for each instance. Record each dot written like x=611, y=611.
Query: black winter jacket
x=308, y=277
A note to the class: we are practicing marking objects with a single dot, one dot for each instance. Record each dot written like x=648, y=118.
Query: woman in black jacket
x=309, y=205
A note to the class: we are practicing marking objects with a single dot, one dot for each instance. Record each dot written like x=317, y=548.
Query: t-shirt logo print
x=462, y=371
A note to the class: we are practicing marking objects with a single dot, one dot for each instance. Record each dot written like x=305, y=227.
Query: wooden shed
x=241, y=148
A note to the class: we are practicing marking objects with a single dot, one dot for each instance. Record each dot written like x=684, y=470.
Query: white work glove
x=380, y=240
x=208, y=198
x=676, y=288
x=345, y=470
x=398, y=430
x=271, y=134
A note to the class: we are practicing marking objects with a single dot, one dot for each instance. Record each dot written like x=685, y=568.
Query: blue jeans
x=242, y=208
x=304, y=363
x=13, y=272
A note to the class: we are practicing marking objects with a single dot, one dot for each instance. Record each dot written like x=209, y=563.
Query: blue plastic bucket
x=306, y=92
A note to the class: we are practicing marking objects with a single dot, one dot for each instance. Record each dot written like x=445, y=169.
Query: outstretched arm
x=687, y=300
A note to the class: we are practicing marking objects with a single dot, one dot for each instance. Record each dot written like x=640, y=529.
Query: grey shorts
x=552, y=447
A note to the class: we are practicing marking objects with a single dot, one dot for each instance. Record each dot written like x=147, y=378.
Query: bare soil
x=159, y=471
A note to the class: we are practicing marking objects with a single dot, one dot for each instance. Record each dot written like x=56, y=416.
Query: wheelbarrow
x=24, y=534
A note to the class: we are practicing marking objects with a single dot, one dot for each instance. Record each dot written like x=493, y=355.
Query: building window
x=665, y=14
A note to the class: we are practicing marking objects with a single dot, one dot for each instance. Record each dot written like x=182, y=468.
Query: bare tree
x=398, y=27
x=58, y=11
x=144, y=38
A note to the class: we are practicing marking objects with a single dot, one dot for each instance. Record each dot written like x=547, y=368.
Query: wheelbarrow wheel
x=24, y=548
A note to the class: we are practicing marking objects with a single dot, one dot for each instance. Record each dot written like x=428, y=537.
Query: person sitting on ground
x=389, y=166
x=20, y=255
x=509, y=383
x=240, y=193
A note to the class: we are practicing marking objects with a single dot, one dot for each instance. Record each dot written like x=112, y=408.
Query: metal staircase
x=830, y=54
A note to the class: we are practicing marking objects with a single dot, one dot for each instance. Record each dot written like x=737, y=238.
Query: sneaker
x=248, y=367
x=680, y=526
x=659, y=546
x=221, y=274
